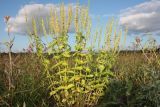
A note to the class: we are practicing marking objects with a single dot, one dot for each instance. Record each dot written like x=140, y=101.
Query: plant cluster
x=75, y=79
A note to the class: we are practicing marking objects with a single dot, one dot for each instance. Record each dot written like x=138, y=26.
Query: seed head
x=6, y=19
x=138, y=40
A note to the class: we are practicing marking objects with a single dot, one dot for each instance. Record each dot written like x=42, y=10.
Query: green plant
x=79, y=78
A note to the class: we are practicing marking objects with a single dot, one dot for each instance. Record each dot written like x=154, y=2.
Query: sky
x=141, y=17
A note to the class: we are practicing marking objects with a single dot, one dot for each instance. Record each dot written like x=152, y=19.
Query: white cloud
x=142, y=18
x=95, y=16
x=19, y=25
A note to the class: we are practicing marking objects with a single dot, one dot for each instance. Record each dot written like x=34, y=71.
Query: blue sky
x=121, y=9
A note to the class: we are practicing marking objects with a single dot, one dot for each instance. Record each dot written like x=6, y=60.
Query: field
x=70, y=63
x=135, y=82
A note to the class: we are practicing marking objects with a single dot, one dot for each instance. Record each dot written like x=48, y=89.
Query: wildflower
x=52, y=22
x=30, y=48
x=69, y=18
x=45, y=47
x=24, y=50
x=56, y=27
x=154, y=41
x=62, y=16
x=138, y=40
x=6, y=19
x=76, y=18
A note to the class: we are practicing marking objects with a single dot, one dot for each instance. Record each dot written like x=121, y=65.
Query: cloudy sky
x=141, y=17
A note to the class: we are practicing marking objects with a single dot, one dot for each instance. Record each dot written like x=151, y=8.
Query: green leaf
x=83, y=82
x=64, y=100
x=66, y=54
x=78, y=68
x=99, y=85
x=64, y=63
x=101, y=67
x=79, y=90
x=46, y=61
x=90, y=76
x=80, y=61
x=88, y=69
x=69, y=86
x=65, y=71
x=57, y=56
x=56, y=65
x=129, y=87
x=77, y=77
x=53, y=92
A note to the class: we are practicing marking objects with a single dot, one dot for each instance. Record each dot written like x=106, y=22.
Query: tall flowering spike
x=43, y=27
x=62, y=15
x=6, y=19
x=69, y=18
x=34, y=27
x=117, y=42
x=25, y=16
x=88, y=32
x=82, y=15
x=76, y=18
x=86, y=18
x=56, y=26
x=109, y=34
x=52, y=22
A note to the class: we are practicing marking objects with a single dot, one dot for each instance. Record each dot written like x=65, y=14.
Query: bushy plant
x=79, y=78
